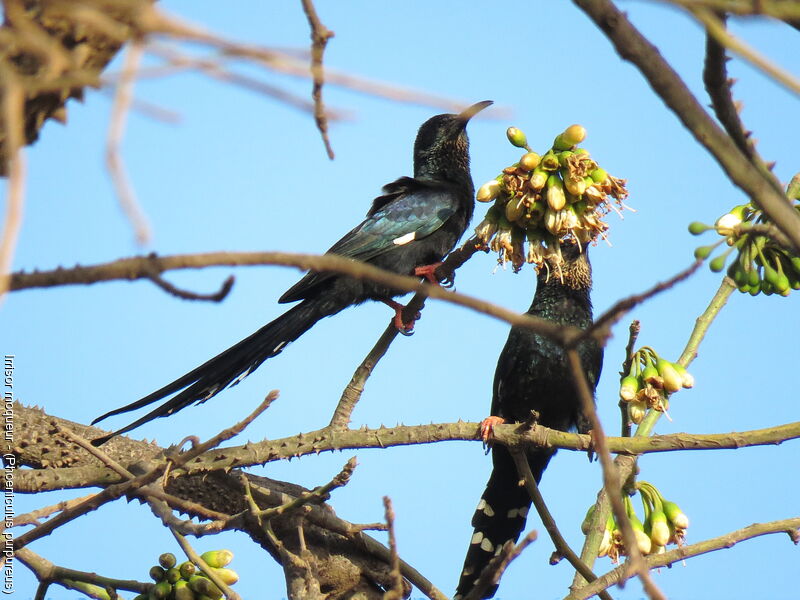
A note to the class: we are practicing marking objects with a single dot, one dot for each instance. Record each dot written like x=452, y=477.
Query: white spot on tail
x=404, y=239
x=476, y=537
x=486, y=545
x=498, y=550
x=485, y=507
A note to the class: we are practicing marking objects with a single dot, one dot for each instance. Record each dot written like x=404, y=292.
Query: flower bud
x=571, y=136
x=727, y=223
x=675, y=515
x=555, y=193
x=636, y=411
x=659, y=529
x=628, y=387
x=217, y=558
x=167, y=560
x=161, y=590
x=203, y=586
x=182, y=591
x=227, y=576
x=642, y=539
x=516, y=137
x=549, y=162
x=672, y=379
x=702, y=252
x=514, y=209
x=489, y=191
x=187, y=569
x=157, y=573
x=718, y=263
x=172, y=575
x=538, y=178
x=687, y=381
x=529, y=161
x=696, y=228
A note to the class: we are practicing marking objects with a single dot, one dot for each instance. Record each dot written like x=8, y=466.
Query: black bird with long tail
x=532, y=374
x=408, y=230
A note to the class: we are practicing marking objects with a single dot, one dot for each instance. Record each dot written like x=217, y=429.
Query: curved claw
x=487, y=430
x=406, y=332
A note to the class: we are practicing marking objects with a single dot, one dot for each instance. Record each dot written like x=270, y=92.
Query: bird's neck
x=564, y=296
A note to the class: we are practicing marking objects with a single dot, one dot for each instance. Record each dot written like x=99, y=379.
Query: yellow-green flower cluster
x=543, y=200
x=650, y=381
x=664, y=523
x=761, y=265
x=186, y=581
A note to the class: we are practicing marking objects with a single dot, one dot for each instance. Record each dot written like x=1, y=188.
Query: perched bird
x=408, y=230
x=532, y=374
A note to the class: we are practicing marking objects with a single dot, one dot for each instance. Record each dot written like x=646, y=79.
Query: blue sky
x=242, y=172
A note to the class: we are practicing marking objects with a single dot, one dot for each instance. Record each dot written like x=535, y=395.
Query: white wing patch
x=404, y=239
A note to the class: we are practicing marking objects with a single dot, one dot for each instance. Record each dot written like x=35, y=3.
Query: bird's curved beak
x=473, y=110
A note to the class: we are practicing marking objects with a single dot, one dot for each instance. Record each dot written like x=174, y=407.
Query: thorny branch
x=618, y=575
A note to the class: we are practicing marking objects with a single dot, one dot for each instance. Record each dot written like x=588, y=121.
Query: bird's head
x=441, y=150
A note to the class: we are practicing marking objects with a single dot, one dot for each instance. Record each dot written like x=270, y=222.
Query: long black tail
x=500, y=515
x=229, y=367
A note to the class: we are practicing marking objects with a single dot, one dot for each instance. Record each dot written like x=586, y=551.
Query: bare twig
x=12, y=122
x=47, y=572
x=764, y=189
x=718, y=86
x=602, y=325
x=611, y=479
x=319, y=39
x=203, y=566
x=217, y=296
x=396, y=591
x=562, y=547
x=495, y=568
x=116, y=130
x=618, y=575
x=717, y=29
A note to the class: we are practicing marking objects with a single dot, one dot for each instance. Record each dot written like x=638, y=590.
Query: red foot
x=404, y=328
x=487, y=428
x=428, y=272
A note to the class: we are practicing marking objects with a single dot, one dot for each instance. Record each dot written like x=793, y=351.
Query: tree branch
x=765, y=190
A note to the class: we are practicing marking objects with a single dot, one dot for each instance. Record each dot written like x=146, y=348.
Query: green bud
x=217, y=558
x=753, y=280
x=672, y=379
x=642, y=539
x=696, y=228
x=161, y=590
x=702, y=252
x=795, y=261
x=576, y=187
x=182, y=591
x=187, y=569
x=675, y=515
x=167, y=560
x=718, y=263
x=549, y=162
x=172, y=575
x=204, y=586
x=739, y=275
x=516, y=137
x=659, y=528
x=157, y=573
x=651, y=376
x=687, y=381
x=771, y=275
x=571, y=136
x=755, y=289
x=489, y=191
x=555, y=193
x=599, y=175
x=538, y=178
x=628, y=387
x=530, y=161
x=228, y=576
